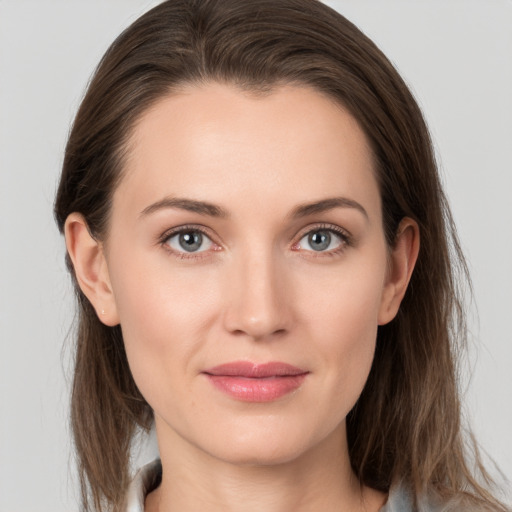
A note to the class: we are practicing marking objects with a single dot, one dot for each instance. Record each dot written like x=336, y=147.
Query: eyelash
x=164, y=239
x=345, y=238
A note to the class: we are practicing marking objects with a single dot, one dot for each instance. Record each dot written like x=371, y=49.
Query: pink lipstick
x=250, y=382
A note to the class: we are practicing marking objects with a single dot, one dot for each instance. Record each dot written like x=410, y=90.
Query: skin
x=255, y=291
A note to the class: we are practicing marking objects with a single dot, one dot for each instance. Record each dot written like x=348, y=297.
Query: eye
x=189, y=240
x=321, y=240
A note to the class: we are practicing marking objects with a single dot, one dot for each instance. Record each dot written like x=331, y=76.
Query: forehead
x=217, y=142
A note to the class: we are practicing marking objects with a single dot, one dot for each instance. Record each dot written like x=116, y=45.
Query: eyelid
x=176, y=230
x=183, y=228
x=343, y=234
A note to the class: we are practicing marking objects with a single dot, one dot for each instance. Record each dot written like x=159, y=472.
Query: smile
x=249, y=382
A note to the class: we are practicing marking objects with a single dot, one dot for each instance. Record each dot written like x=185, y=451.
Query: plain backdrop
x=455, y=54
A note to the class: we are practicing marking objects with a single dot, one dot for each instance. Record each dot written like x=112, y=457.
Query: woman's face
x=247, y=230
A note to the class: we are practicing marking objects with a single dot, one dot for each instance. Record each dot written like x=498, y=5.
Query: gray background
x=455, y=54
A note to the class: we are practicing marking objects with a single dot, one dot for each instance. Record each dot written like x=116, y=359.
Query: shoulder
x=146, y=479
x=401, y=500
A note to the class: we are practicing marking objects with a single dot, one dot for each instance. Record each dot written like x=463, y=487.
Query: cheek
x=341, y=313
x=347, y=334
x=152, y=295
x=164, y=315
x=344, y=300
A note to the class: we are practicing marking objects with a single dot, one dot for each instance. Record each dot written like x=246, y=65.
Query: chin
x=254, y=456
x=265, y=447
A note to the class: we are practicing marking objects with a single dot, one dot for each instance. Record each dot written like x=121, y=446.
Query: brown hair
x=406, y=424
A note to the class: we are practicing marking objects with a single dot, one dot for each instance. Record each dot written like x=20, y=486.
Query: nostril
x=259, y=334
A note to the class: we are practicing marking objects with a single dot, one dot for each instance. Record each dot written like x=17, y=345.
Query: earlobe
x=402, y=260
x=88, y=258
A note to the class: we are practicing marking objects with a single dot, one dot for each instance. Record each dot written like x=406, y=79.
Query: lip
x=252, y=382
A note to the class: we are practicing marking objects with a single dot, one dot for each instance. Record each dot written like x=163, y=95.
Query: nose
x=258, y=298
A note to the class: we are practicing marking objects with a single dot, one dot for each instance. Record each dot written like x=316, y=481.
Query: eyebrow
x=190, y=205
x=212, y=210
x=303, y=210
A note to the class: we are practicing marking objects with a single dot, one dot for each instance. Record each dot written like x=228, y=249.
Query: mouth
x=250, y=382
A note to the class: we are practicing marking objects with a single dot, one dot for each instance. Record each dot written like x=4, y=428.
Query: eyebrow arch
x=191, y=205
x=303, y=210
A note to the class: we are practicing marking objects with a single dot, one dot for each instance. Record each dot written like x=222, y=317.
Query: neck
x=320, y=479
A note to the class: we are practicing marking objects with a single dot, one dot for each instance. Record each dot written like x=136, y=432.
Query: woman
x=262, y=255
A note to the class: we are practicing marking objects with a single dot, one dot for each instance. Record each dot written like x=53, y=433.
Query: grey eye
x=320, y=240
x=189, y=241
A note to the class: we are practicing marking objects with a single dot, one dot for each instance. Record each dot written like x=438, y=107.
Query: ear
x=402, y=259
x=90, y=267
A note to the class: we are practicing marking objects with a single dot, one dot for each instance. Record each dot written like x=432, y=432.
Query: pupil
x=191, y=241
x=320, y=240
